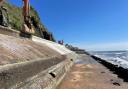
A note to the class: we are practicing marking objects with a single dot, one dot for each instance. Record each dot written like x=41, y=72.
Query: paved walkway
x=88, y=74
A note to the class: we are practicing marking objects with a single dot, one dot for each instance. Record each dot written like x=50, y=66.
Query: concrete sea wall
x=38, y=74
x=44, y=72
x=9, y=31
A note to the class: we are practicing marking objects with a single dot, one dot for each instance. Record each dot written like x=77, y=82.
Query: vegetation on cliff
x=16, y=18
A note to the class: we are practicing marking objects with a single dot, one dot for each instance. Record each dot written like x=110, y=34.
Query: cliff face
x=16, y=19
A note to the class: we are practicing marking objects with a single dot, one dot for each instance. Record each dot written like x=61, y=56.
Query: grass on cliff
x=16, y=18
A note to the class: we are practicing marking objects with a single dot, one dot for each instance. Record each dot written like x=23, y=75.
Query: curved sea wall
x=38, y=74
x=32, y=64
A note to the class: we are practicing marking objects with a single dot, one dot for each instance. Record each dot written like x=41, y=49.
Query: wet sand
x=89, y=74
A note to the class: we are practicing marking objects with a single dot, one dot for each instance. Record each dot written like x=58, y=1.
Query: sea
x=119, y=57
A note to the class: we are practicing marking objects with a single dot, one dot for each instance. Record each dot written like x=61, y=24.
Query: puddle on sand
x=80, y=61
x=85, y=61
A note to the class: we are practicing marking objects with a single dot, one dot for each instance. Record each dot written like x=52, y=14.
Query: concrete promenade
x=89, y=74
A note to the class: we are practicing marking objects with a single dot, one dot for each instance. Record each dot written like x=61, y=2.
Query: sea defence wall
x=39, y=74
x=9, y=31
x=55, y=46
x=39, y=64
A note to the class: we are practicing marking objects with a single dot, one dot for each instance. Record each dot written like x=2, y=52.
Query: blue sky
x=89, y=24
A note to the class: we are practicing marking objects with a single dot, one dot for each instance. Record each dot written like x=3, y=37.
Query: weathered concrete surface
x=55, y=46
x=51, y=78
x=15, y=50
x=9, y=31
x=89, y=74
x=37, y=74
x=32, y=64
x=14, y=74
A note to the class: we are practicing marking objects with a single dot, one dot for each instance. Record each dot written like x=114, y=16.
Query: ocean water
x=119, y=58
x=112, y=54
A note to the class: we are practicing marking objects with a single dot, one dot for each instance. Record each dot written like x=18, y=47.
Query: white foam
x=116, y=61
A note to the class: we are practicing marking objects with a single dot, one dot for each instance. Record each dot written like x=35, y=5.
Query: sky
x=88, y=24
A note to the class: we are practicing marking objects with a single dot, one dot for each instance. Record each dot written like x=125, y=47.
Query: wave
x=115, y=60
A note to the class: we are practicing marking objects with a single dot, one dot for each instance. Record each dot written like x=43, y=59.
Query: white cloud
x=104, y=46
